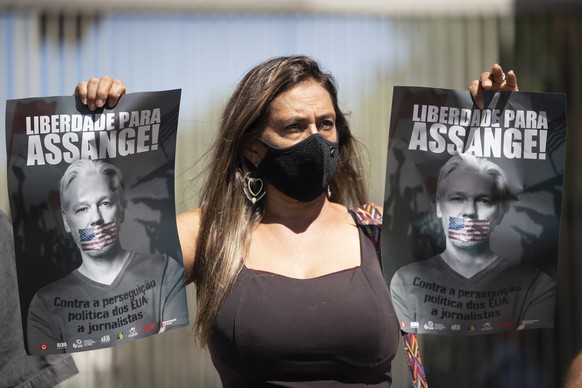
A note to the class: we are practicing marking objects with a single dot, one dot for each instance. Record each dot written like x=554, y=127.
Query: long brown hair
x=228, y=218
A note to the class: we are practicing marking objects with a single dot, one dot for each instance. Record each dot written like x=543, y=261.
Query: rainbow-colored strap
x=413, y=359
x=369, y=218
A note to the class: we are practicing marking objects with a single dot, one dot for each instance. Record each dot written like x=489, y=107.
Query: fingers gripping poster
x=92, y=201
x=472, y=210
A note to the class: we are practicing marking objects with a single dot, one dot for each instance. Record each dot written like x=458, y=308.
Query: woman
x=288, y=290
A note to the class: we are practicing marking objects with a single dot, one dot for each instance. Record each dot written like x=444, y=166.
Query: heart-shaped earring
x=254, y=189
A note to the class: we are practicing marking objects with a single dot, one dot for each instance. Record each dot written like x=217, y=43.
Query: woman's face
x=468, y=196
x=295, y=115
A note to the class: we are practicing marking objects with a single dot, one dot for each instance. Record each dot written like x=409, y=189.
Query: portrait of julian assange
x=116, y=294
x=469, y=288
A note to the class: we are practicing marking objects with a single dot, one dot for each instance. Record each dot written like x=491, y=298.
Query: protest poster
x=92, y=201
x=472, y=210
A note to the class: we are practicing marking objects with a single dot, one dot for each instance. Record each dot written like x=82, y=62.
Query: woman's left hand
x=97, y=91
x=493, y=80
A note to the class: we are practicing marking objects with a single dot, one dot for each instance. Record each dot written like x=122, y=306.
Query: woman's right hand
x=492, y=80
x=98, y=91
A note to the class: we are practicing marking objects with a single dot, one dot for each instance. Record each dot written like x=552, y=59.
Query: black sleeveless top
x=336, y=329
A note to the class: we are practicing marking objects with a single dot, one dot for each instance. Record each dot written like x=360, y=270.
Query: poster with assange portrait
x=92, y=201
x=472, y=210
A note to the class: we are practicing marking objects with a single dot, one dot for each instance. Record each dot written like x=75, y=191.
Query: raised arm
x=493, y=80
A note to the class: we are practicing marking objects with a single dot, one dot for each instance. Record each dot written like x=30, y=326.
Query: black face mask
x=302, y=171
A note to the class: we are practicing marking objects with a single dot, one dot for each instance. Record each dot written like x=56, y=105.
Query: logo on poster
x=88, y=342
x=528, y=322
x=149, y=327
x=168, y=323
x=43, y=347
x=505, y=325
x=132, y=332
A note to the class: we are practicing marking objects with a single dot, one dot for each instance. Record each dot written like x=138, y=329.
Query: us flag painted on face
x=98, y=237
x=468, y=229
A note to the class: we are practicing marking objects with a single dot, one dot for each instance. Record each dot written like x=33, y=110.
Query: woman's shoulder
x=188, y=224
x=189, y=219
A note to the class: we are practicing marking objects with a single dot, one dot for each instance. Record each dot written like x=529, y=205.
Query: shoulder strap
x=369, y=219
